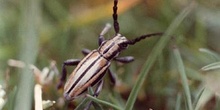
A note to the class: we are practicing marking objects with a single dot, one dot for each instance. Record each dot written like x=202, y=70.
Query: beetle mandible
x=90, y=70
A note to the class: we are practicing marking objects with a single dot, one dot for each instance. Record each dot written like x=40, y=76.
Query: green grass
x=161, y=77
x=155, y=52
x=28, y=33
x=181, y=69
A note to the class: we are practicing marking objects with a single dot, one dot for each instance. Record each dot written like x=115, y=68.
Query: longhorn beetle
x=90, y=70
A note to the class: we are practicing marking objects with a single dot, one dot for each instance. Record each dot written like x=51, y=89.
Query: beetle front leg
x=86, y=51
x=70, y=62
x=104, y=31
x=96, y=93
x=126, y=59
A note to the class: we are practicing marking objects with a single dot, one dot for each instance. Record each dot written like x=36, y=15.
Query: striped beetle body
x=95, y=64
x=93, y=67
x=86, y=74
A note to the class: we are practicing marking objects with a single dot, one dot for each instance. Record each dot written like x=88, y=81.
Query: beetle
x=90, y=70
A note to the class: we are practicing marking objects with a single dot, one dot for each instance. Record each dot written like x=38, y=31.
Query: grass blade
x=103, y=102
x=178, y=101
x=205, y=96
x=86, y=101
x=212, y=54
x=28, y=33
x=82, y=104
x=155, y=52
x=195, y=104
x=211, y=66
x=182, y=72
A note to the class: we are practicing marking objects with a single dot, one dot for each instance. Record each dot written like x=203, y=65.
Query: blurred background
x=36, y=36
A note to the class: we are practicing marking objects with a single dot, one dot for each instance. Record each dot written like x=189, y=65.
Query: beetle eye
x=123, y=45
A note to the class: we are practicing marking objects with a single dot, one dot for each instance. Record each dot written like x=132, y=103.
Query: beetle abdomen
x=86, y=73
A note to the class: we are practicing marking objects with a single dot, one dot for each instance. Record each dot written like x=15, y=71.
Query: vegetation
x=179, y=70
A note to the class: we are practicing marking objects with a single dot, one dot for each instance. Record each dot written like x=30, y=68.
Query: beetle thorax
x=111, y=48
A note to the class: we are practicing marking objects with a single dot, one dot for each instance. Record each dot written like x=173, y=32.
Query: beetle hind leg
x=70, y=62
x=100, y=85
x=112, y=77
x=96, y=93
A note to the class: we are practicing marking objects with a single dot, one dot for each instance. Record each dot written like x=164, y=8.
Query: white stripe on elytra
x=88, y=74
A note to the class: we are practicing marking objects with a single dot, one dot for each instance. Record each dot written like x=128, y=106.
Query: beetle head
x=111, y=48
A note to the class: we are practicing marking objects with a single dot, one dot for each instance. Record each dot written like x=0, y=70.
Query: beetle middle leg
x=126, y=59
x=69, y=62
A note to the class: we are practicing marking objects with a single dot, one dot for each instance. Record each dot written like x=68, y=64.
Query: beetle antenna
x=115, y=17
x=133, y=41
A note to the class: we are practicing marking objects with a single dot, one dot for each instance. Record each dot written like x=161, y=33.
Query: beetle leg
x=70, y=62
x=96, y=93
x=126, y=59
x=99, y=88
x=104, y=31
x=112, y=76
x=86, y=51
